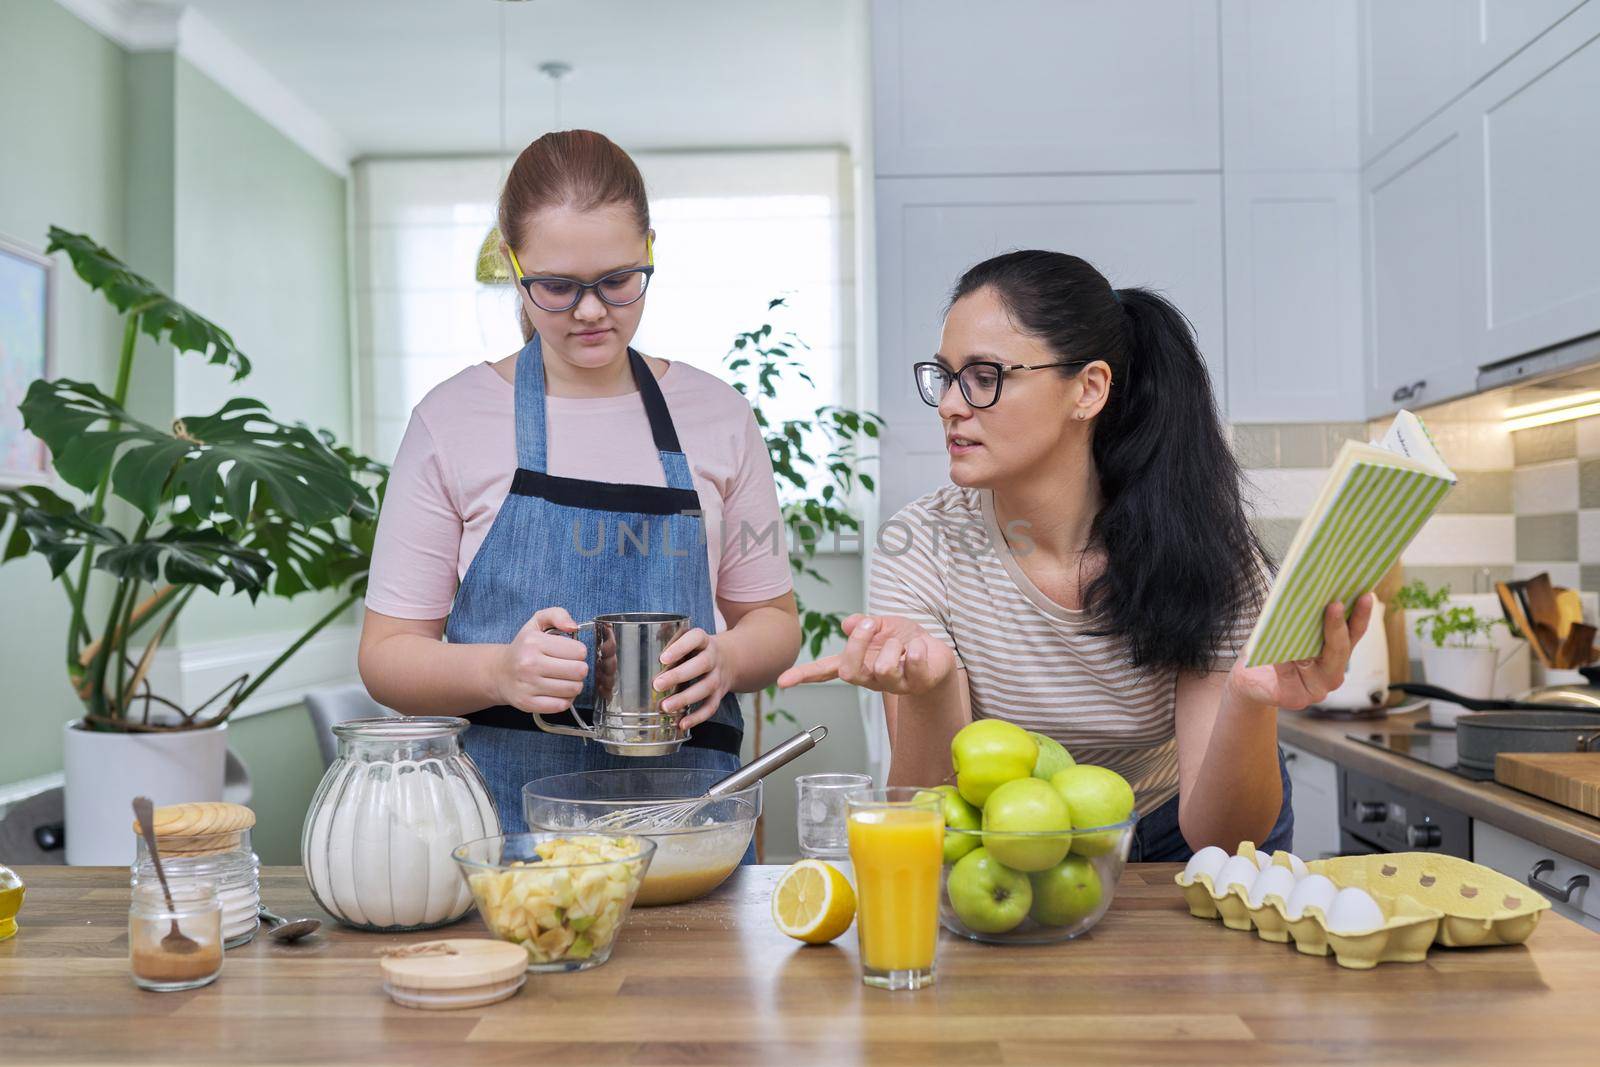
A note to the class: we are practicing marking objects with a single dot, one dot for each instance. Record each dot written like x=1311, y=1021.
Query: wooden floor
x=713, y=983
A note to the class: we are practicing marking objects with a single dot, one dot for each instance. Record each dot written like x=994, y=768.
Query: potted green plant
x=233, y=501
x=1458, y=652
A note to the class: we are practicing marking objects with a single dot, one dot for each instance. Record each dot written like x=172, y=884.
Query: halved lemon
x=813, y=902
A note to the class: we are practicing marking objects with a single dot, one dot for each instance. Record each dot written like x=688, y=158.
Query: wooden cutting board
x=1571, y=779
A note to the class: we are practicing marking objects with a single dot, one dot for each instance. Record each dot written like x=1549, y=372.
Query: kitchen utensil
x=1577, y=647
x=681, y=813
x=1510, y=594
x=627, y=719
x=563, y=896
x=1570, y=605
x=1543, y=611
x=288, y=930
x=1571, y=779
x=1480, y=737
x=1434, y=692
x=378, y=834
x=690, y=861
x=176, y=940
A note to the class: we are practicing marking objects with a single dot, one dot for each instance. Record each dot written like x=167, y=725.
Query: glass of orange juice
x=897, y=848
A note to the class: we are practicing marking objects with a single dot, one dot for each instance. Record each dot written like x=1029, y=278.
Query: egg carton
x=1423, y=899
x=1478, y=906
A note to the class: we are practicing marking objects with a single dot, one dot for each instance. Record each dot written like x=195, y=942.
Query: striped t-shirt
x=942, y=563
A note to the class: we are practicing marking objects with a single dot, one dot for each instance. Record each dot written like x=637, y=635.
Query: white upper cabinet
x=1044, y=86
x=1291, y=210
x=1537, y=182
x=1419, y=55
x=1423, y=250
x=1160, y=231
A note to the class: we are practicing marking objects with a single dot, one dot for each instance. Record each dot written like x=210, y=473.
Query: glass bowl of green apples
x=1034, y=843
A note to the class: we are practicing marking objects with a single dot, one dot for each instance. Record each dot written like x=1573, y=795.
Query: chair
x=335, y=704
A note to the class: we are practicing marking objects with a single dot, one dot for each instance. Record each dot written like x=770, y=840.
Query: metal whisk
x=677, y=813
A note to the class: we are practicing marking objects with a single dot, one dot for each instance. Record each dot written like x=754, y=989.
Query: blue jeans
x=1158, y=839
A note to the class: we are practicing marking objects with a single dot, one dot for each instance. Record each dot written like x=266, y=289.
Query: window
x=734, y=230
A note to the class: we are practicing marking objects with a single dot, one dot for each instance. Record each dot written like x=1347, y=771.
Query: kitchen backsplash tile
x=1589, y=484
x=1545, y=443
x=1462, y=579
x=1588, y=437
x=1547, y=538
x=1477, y=493
x=1545, y=488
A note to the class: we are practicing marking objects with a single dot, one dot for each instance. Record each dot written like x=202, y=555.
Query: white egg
x=1239, y=871
x=1263, y=860
x=1354, y=911
x=1314, y=890
x=1279, y=881
x=1208, y=861
x=1297, y=865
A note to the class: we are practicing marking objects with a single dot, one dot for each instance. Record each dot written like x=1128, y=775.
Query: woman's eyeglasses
x=619, y=288
x=979, y=380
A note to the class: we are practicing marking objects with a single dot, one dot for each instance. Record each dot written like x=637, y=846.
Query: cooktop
x=1437, y=748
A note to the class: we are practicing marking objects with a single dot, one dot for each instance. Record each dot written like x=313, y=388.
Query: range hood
x=1551, y=367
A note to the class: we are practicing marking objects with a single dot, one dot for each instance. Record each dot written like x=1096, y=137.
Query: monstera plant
x=234, y=501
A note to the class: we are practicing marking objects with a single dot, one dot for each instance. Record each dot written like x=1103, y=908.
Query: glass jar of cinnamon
x=163, y=962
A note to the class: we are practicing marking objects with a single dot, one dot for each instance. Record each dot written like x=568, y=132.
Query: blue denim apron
x=1158, y=839
x=592, y=548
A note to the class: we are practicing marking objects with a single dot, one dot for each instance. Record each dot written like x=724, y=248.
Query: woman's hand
x=1295, y=685
x=884, y=653
x=701, y=659
x=542, y=673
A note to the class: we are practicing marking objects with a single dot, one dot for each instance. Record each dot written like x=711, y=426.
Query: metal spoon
x=287, y=930
x=176, y=941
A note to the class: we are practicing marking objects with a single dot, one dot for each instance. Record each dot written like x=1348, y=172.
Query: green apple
x=1096, y=796
x=958, y=815
x=1065, y=893
x=1027, y=806
x=989, y=897
x=1052, y=756
x=989, y=753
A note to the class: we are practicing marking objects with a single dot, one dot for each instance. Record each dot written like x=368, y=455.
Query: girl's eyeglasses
x=979, y=380
x=619, y=288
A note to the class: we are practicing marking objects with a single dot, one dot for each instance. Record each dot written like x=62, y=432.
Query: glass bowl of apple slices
x=1030, y=887
x=562, y=896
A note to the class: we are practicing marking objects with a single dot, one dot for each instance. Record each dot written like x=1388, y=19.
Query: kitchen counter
x=1566, y=831
x=713, y=982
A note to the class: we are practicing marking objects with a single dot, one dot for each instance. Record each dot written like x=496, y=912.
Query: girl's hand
x=884, y=653
x=1295, y=685
x=701, y=660
x=542, y=673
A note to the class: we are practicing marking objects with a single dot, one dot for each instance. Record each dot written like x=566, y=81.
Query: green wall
x=62, y=88
x=162, y=165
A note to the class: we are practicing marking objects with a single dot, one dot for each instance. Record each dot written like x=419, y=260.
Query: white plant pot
x=1465, y=670
x=105, y=771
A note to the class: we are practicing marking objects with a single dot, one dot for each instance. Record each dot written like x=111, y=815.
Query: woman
x=1090, y=574
x=488, y=533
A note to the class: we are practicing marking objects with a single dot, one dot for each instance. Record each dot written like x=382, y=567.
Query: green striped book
x=1376, y=498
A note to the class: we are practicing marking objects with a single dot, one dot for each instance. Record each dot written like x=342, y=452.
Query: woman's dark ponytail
x=1181, y=559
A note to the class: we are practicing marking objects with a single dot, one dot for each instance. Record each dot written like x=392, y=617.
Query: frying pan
x=1482, y=736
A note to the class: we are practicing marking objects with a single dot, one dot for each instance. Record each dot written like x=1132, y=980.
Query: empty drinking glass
x=820, y=813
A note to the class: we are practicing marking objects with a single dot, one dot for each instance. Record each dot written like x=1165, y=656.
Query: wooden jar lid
x=201, y=819
x=454, y=973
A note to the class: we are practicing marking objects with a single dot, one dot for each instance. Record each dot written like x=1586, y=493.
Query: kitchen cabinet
x=1315, y=782
x=1423, y=252
x=1519, y=858
x=1292, y=211
x=1480, y=225
x=1535, y=170
x=1420, y=55
x=1158, y=230
x=1044, y=86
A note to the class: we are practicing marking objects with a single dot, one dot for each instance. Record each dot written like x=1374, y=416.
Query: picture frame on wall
x=27, y=297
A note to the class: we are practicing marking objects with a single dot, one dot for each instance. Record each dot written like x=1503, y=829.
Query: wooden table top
x=712, y=982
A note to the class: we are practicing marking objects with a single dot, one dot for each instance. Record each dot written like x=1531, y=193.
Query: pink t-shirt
x=459, y=452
